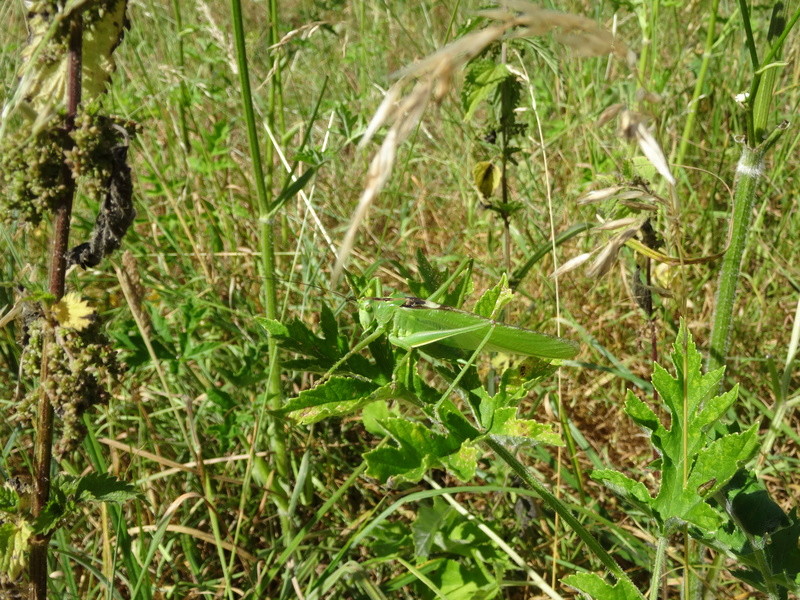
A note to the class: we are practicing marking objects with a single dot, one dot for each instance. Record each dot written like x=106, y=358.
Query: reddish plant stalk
x=44, y=419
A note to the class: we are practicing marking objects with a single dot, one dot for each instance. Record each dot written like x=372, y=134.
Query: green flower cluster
x=82, y=369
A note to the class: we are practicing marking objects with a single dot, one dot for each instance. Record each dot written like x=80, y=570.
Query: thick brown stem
x=44, y=423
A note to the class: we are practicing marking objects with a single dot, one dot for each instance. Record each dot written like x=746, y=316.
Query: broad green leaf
x=455, y=422
x=642, y=414
x=14, y=547
x=101, y=487
x=418, y=450
x=758, y=513
x=431, y=518
x=464, y=580
x=597, y=588
x=721, y=459
x=481, y=80
x=693, y=465
x=634, y=491
x=463, y=463
x=336, y=397
x=494, y=300
x=506, y=424
x=714, y=408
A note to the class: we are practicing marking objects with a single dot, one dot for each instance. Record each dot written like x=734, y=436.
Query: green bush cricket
x=414, y=322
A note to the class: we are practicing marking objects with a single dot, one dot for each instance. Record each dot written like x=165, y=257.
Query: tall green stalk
x=748, y=172
x=263, y=182
x=758, y=141
x=699, y=86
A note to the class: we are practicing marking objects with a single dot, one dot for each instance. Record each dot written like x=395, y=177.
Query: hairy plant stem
x=748, y=171
x=43, y=451
x=658, y=566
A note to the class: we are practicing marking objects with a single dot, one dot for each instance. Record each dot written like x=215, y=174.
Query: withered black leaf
x=115, y=217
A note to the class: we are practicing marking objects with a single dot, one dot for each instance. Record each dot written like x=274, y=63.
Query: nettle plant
x=54, y=140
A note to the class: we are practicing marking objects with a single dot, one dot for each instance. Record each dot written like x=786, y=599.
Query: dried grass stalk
x=432, y=79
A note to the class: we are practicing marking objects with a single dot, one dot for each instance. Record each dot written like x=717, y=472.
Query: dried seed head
x=632, y=127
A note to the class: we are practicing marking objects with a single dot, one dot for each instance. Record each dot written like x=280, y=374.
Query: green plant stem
x=275, y=433
x=748, y=171
x=58, y=264
x=699, y=86
x=559, y=508
x=658, y=566
x=176, y=11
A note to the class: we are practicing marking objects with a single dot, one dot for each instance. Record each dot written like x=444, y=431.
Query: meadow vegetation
x=230, y=423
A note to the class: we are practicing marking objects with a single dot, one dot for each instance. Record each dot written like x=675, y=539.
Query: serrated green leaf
x=9, y=499
x=715, y=407
x=418, y=450
x=703, y=516
x=334, y=398
x=400, y=463
x=455, y=422
x=597, y=588
x=623, y=486
x=463, y=463
x=642, y=414
x=721, y=459
x=101, y=487
x=273, y=327
x=481, y=80
x=493, y=300
x=506, y=424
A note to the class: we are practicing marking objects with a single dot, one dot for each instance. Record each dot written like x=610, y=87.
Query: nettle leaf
x=14, y=547
x=43, y=74
x=419, y=450
x=9, y=500
x=506, y=424
x=597, y=588
x=481, y=80
x=634, y=491
x=337, y=397
x=101, y=487
x=69, y=492
x=58, y=508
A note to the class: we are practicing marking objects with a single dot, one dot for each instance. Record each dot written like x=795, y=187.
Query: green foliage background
x=181, y=304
